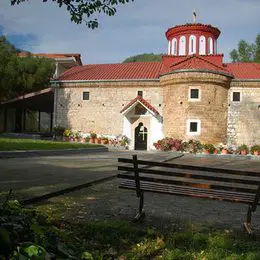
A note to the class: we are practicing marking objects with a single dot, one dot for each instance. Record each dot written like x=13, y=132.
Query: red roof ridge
x=121, y=63
x=144, y=102
x=194, y=24
x=198, y=57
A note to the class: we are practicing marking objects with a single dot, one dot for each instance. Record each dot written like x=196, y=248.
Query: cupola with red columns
x=192, y=38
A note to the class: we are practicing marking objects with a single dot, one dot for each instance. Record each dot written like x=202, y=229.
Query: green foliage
x=28, y=234
x=8, y=144
x=210, y=147
x=243, y=147
x=246, y=52
x=22, y=75
x=81, y=9
x=145, y=57
x=192, y=146
x=255, y=148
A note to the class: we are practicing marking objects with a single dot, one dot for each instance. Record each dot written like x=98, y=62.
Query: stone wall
x=211, y=110
x=244, y=116
x=101, y=113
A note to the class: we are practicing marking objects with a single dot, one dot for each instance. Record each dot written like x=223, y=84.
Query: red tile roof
x=243, y=70
x=153, y=70
x=197, y=62
x=143, y=102
x=120, y=71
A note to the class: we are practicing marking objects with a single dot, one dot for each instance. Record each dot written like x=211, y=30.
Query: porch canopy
x=42, y=100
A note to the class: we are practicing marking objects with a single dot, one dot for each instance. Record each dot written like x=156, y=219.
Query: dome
x=192, y=38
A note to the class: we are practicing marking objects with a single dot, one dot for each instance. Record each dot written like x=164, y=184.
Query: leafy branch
x=79, y=10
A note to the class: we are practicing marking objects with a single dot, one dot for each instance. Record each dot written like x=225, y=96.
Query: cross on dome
x=194, y=16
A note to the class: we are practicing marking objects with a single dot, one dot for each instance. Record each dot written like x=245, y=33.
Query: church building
x=190, y=94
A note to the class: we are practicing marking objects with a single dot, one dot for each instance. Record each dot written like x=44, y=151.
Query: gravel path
x=106, y=201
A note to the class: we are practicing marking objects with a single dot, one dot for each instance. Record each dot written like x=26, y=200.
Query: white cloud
x=137, y=27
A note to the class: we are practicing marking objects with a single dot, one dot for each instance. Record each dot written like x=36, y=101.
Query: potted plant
x=93, y=136
x=67, y=134
x=243, y=149
x=104, y=140
x=97, y=140
x=208, y=148
x=223, y=148
x=194, y=146
x=255, y=150
x=125, y=141
x=86, y=139
x=77, y=136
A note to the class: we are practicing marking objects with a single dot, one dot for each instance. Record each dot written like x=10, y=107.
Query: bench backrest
x=204, y=178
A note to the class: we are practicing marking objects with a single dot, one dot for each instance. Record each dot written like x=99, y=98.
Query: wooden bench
x=193, y=181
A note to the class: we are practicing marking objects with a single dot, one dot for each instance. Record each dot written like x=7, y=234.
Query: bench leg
x=247, y=224
x=141, y=214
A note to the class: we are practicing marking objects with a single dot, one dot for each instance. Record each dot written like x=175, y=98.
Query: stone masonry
x=101, y=113
x=244, y=116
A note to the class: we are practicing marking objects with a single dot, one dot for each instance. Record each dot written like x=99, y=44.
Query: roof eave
x=198, y=70
x=103, y=80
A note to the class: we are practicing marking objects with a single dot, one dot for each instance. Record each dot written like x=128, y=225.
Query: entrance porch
x=142, y=124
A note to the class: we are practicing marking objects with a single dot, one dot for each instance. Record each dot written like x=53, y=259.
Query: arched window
x=182, y=46
x=169, y=48
x=192, y=44
x=215, y=47
x=174, y=46
x=210, y=45
x=202, y=47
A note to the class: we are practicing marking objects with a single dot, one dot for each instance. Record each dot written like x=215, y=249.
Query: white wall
x=156, y=132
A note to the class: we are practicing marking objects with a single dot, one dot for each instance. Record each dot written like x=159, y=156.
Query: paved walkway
x=34, y=176
x=106, y=201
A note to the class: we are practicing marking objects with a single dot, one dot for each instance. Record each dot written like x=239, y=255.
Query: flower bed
x=93, y=138
x=195, y=146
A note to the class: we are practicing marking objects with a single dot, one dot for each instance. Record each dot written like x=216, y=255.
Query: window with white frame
x=169, y=48
x=182, y=46
x=192, y=44
x=202, y=47
x=236, y=96
x=174, y=46
x=210, y=45
x=194, y=94
x=193, y=127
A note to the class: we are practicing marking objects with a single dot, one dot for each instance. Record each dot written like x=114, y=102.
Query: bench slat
x=191, y=167
x=191, y=192
x=188, y=174
x=190, y=184
x=194, y=189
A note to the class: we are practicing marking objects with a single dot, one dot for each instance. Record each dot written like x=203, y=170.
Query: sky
x=138, y=27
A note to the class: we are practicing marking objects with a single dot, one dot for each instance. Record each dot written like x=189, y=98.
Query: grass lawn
x=8, y=144
x=119, y=240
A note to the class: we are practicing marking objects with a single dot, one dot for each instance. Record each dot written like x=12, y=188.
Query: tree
x=144, y=57
x=246, y=52
x=79, y=9
x=21, y=75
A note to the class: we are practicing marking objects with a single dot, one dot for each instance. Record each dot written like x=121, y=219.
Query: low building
x=32, y=112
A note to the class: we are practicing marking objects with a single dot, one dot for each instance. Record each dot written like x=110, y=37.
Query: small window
x=193, y=127
x=85, y=95
x=194, y=94
x=236, y=97
x=140, y=93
